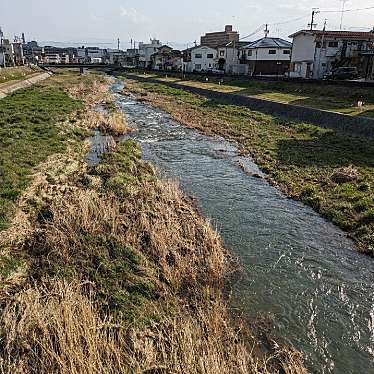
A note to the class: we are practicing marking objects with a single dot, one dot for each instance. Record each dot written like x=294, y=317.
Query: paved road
x=7, y=88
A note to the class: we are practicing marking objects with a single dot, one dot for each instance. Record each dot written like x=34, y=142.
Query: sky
x=178, y=23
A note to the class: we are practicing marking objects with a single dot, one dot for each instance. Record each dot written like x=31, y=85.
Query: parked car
x=343, y=73
x=215, y=72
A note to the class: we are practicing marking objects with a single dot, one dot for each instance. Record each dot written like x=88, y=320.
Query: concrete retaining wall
x=352, y=125
x=7, y=89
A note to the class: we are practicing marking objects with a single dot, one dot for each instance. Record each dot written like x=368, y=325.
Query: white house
x=317, y=52
x=203, y=58
x=146, y=51
x=267, y=56
x=52, y=58
x=228, y=58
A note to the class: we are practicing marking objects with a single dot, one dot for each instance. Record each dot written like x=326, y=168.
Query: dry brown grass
x=345, y=174
x=56, y=329
x=114, y=123
x=92, y=93
x=55, y=315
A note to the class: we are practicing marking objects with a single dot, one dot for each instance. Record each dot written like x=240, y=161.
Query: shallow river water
x=301, y=269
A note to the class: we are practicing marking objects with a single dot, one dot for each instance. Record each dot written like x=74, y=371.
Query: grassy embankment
x=331, y=172
x=108, y=269
x=11, y=74
x=329, y=97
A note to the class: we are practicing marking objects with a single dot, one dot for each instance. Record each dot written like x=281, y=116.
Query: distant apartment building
x=131, y=57
x=317, y=52
x=81, y=55
x=114, y=57
x=215, y=39
x=95, y=55
x=33, y=52
x=12, y=53
x=267, y=56
x=52, y=58
x=146, y=51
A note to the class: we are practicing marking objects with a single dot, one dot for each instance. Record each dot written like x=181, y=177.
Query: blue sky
x=178, y=22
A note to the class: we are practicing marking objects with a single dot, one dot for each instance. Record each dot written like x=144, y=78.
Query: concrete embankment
x=8, y=88
x=353, y=125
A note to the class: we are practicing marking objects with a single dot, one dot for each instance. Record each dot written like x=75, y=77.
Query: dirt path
x=9, y=87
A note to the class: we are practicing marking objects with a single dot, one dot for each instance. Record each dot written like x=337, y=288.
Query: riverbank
x=295, y=93
x=108, y=269
x=17, y=73
x=329, y=171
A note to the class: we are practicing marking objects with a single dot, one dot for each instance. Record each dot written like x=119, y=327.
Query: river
x=300, y=268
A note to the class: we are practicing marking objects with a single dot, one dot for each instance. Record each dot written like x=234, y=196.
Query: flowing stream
x=301, y=269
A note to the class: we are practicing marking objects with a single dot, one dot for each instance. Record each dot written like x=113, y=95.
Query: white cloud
x=133, y=15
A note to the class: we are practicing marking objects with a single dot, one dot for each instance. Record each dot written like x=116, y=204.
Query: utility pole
x=312, y=24
x=320, y=49
x=1, y=46
x=342, y=15
x=118, y=43
x=266, y=30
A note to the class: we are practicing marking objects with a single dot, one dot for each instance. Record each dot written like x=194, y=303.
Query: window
x=250, y=52
x=333, y=44
x=272, y=52
x=209, y=55
x=197, y=66
x=221, y=53
x=198, y=55
x=286, y=52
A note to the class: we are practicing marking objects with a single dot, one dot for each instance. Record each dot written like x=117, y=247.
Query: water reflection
x=301, y=269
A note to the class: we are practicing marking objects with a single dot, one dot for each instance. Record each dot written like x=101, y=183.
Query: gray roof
x=269, y=43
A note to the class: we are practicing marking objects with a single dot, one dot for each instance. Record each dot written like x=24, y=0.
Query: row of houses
x=311, y=54
x=85, y=55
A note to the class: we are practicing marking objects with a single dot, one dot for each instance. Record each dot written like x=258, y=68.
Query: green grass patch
x=28, y=135
x=17, y=73
x=304, y=94
x=301, y=158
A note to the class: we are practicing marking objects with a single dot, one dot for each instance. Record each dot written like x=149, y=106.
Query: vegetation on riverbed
x=304, y=94
x=332, y=172
x=110, y=270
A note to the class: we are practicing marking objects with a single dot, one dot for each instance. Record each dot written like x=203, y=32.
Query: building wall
x=303, y=48
x=230, y=55
x=147, y=50
x=215, y=39
x=205, y=62
x=264, y=55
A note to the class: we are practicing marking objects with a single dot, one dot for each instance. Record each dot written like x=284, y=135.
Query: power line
x=346, y=10
x=289, y=21
x=254, y=32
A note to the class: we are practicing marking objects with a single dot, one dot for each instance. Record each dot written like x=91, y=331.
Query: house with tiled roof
x=315, y=53
x=267, y=56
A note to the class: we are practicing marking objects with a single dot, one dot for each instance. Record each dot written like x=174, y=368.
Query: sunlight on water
x=300, y=268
